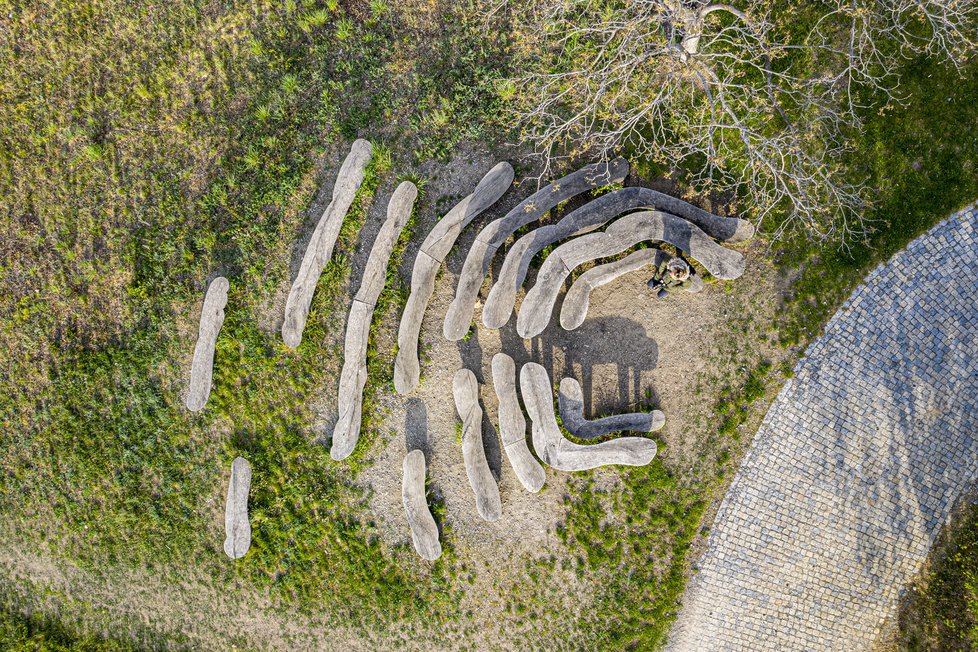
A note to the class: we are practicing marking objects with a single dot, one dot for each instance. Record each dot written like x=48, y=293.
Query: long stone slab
x=459, y=316
x=434, y=249
x=570, y=402
x=353, y=377
x=211, y=320
x=499, y=304
x=512, y=425
x=559, y=452
x=573, y=311
x=621, y=235
x=236, y=523
x=465, y=389
x=424, y=530
x=320, y=247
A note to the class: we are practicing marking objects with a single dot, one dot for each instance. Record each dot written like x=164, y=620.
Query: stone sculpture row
x=660, y=219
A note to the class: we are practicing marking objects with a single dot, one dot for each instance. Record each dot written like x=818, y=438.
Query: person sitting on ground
x=674, y=274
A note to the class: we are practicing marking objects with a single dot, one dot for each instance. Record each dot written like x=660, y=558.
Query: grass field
x=145, y=148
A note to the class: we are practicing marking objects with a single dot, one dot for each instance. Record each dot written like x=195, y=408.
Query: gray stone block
x=621, y=235
x=236, y=523
x=573, y=311
x=465, y=389
x=211, y=320
x=407, y=367
x=570, y=402
x=353, y=376
x=499, y=304
x=424, y=530
x=459, y=316
x=512, y=425
x=559, y=452
x=320, y=247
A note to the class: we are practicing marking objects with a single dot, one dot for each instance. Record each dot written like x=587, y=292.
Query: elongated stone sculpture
x=434, y=249
x=559, y=452
x=459, y=317
x=236, y=522
x=320, y=247
x=621, y=235
x=465, y=389
x=353, y=377
x=570, y=401
x=424, y=530
x=512, y=425
x=502, y=297
x=211, y=320
x=573, y=312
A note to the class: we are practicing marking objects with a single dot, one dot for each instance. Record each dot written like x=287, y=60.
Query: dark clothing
x=665, y=283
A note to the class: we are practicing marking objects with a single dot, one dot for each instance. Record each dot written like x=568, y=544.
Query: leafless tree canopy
x=756, y=96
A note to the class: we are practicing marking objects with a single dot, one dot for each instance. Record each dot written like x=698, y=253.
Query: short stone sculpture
x=211, y=320
x=434, y=249
x=424, y=530
x=559, y=452
x=621, y=235
x=459, y=317
x=320, y=247
x=353, y=377
x=236, y=522
x=570, y=402
x=465, y=389
x=499, y=304
x=573, y=312
x=512, y=425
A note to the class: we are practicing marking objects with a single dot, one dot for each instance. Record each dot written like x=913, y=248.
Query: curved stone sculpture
x=424, y=530
x=512, y=425
x=620, y=235
x=459, y=317
x=320, y=247
x=502, y=297
x=559, y=452
x=211, y=320
x=353, y=377
x=236, y=522
x=434, y=249
x=465, y=389
x=573, y=312
x=570, y=402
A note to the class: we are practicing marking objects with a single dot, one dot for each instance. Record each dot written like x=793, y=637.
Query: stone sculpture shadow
x=416, y=428
x=636, y=352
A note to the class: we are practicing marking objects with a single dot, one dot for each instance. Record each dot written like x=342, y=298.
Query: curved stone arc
x=320, y=247
x=477, y=261
x=424, y=530
x=570, y=402
x=434, y=249
x=856, y=468
x=574, y=309
x=236, y=523
x=512, y=425
x=502, y=297
x=559, y=452
x=465, y=390
x=211, y=321
x=353, y=377
x=621, y=235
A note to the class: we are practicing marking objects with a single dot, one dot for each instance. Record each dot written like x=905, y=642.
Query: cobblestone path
x=856, y=466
